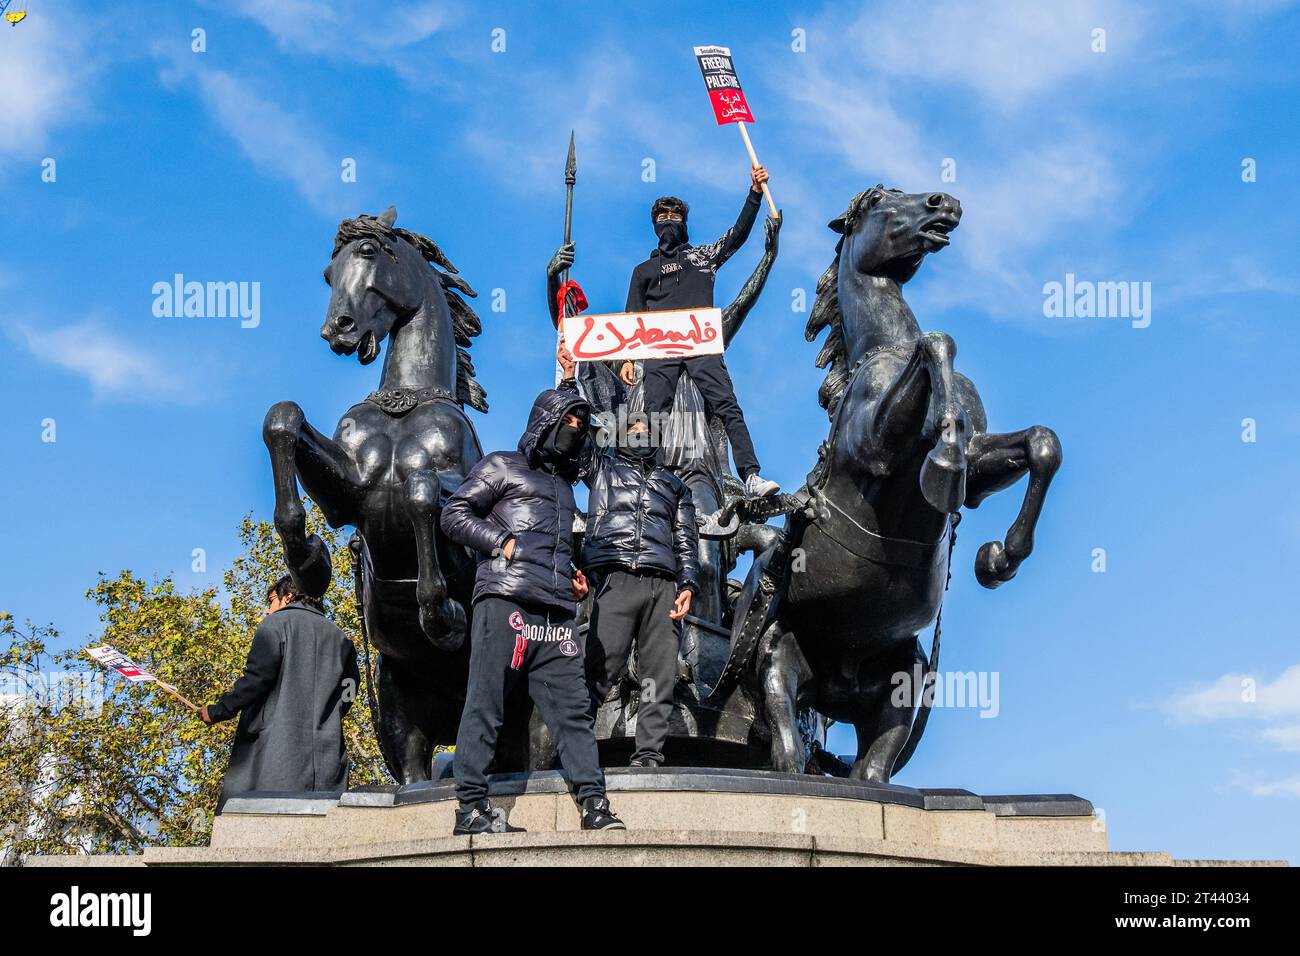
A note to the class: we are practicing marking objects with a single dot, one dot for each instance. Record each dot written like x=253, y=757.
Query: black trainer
x=645, y=762
x=596, y=815
x=482, y=817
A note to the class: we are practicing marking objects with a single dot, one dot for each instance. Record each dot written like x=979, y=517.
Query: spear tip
x=571, y=165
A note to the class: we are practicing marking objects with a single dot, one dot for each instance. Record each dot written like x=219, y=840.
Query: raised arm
x=733, y=316
x=722, y=250
x=563, y=259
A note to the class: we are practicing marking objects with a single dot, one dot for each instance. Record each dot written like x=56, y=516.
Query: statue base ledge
x=675, y=817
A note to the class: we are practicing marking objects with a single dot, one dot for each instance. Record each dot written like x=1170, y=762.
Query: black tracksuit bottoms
x=710, y=375
x=510, y=640
x=629, y=607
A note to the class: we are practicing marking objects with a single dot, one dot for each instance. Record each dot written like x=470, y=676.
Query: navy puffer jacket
x=640, y=517
x=517, y=494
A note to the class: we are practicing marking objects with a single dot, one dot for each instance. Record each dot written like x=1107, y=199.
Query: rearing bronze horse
x=831, y=613
x=393, y=460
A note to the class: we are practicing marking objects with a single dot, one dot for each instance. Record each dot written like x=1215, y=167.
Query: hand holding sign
x=565, y=358
x=729, y=105
x=113, y=659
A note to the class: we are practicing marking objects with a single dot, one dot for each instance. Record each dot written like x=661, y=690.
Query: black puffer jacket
x=517, y=494
x=640, y=517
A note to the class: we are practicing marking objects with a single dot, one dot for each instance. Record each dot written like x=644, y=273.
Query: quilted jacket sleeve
x=686, y=537
x=464, y=517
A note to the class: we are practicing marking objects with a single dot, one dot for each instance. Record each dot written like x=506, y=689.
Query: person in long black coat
x=301, y=677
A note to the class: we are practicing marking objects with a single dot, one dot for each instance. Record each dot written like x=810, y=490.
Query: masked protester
x=516, y=509
x=679, y=275
x=300, y=679
x=640, y=553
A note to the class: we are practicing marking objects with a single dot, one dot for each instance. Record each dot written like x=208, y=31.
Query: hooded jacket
x=518, y=494
x=300, y=679
x=683, y=277
x=641, y=518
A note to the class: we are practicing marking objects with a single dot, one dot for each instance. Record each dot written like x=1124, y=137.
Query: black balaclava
x=671, y=235
x=640, y=448
x=562, y=443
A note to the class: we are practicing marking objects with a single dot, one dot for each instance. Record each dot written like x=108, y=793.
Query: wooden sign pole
x=753, y=159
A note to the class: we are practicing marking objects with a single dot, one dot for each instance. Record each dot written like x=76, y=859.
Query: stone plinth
x=675, y=816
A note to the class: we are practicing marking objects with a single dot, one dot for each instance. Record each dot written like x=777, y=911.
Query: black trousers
x=510, y=641
x=631, y=607
x=710, y=375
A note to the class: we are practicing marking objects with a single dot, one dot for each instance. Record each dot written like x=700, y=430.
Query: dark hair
x=669, y=204
x=281, y=589
x=284, y=589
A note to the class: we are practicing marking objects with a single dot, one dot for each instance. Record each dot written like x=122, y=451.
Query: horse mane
x=465, y=322
x=826, y=311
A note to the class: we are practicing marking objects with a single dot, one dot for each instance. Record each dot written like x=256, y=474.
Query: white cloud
x=1235, y=696
x=1244, y=697
x=115, y=368
x=277, y=141
x=1007, y=53
x=1038, y=178
x=46, y=67
x=363, y=32
x=274, y=139
x=1287, y=787
x=611, y=107
x=1286, y=737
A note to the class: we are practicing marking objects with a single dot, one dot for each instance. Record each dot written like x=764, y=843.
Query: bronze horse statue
x=830, y=615
x=392, y=462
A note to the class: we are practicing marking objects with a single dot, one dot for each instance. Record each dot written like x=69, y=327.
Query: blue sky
x=1123, y=165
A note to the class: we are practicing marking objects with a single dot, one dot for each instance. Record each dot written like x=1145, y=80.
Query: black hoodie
x=682, y=278
x=519, y=494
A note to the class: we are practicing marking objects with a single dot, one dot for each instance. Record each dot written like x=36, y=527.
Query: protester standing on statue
x=679, y=275
x=640, y=552
x=301, y=677
x=516, y=510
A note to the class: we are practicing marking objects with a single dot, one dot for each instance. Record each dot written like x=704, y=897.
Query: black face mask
x=562, y=443
x=671, y=235
x=638, y=447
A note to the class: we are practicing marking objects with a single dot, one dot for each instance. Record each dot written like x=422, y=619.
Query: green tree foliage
x=137, y=768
